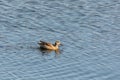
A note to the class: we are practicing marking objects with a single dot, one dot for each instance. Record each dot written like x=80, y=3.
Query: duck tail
x=41, y=42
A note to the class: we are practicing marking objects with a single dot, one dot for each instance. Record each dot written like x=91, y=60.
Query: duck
x=49, y=46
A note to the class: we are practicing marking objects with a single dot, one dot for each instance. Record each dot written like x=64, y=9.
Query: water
x=88, y=29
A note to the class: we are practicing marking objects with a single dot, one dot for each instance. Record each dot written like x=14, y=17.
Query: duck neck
x=56, y=45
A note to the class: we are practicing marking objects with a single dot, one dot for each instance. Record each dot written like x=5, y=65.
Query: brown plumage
x=47, y=45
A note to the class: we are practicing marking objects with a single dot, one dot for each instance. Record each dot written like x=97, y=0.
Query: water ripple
x=89, y=31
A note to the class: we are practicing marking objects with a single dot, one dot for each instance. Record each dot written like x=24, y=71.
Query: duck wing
x=45, y=43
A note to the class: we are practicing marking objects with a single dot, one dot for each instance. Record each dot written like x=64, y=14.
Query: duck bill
x=61, y=44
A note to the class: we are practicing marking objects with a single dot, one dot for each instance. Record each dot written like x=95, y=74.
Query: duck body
x=47, y=45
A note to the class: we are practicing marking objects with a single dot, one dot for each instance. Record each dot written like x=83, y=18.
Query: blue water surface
x=88, y=29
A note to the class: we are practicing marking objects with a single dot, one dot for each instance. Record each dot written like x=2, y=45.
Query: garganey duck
x=49, y=46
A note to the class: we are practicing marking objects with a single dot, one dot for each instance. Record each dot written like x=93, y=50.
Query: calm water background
x=88, y=29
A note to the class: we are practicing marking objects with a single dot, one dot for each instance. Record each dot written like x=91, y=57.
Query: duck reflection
x=47, y=51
